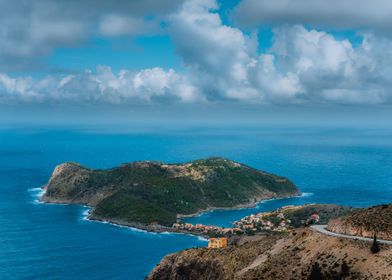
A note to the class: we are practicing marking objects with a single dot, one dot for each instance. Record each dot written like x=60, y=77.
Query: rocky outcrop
x=342, y=226
x=366, y=222
x=71, y=183
x=190, y=266
x=278, y=257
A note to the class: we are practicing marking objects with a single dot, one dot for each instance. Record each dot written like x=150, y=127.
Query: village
x=250, y=225
x=272, y=221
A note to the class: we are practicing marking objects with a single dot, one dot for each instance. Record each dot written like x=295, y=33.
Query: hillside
x=279, y=257
x=298, y=215
x=141, y=193
x=366, y=222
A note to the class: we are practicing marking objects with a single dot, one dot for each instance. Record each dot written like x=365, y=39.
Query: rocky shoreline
x=157, y=228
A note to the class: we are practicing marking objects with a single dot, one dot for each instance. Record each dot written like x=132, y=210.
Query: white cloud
x=101, y=87
x=217, y=55
x=303, y=65
x=155, y=80
x=279, y=87
x=333, y=70
x=221, y=62
x=313, y=51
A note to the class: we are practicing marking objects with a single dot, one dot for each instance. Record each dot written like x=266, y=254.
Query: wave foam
x=307, y=194
x=37, y=193
x=85, y=213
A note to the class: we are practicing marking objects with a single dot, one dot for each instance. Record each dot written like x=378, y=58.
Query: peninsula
x=153, y=195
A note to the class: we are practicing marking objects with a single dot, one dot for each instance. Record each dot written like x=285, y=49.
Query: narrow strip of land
x=323, y=229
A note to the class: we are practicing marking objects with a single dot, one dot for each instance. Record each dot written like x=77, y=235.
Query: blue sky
x=119, y=53
x=203, y=55
x=123, y=52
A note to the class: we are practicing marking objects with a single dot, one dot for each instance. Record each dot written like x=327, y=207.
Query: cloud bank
x=103, y=86
x=221, y=62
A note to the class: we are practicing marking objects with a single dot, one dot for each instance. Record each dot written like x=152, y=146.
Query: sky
x=224, y=61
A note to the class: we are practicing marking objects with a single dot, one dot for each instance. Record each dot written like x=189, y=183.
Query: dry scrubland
x=289, y=256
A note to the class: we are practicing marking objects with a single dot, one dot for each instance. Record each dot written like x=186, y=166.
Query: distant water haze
x=127, y=117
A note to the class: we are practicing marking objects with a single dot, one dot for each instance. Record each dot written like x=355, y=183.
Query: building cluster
x=263, y=222
x=270, y=221
x=207, y=230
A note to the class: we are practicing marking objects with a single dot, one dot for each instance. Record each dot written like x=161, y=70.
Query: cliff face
x=365, y=222
x=147, y=192
x=292, y=256
x=67, y=183
x=190, y=266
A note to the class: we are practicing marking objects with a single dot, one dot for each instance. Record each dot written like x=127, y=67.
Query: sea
x=342, y=165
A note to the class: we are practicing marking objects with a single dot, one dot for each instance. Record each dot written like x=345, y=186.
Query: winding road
x=322, y=229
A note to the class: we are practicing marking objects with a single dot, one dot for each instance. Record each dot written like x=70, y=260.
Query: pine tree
x=375, y=247
x=315, y=273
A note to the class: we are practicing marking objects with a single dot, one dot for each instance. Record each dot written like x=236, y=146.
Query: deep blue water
x=40, y=241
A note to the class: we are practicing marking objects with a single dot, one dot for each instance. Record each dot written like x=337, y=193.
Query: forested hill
x=153, y=192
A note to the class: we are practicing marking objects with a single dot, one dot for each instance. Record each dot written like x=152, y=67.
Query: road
x=322, y=229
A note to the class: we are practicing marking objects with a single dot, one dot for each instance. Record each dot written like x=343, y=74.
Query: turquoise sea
x=350, y=166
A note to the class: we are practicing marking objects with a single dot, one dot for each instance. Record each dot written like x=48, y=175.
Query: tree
x=315, y=273
x=344, y=270
x=375, y=247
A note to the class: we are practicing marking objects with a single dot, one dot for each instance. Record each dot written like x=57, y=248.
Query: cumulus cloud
x=219, y=56
x=303, y=65
x=222, y=63
x=102, y=86
x=348, y=14
x=333, y=70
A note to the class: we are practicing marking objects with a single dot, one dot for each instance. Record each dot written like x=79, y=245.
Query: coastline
x=160, y=229
x=147, y=228
x=238, y=207
x=86, y=215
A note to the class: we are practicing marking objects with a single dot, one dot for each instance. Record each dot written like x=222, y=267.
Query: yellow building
x=217, y=242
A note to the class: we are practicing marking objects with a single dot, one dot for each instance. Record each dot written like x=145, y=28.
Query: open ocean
x=40, y=241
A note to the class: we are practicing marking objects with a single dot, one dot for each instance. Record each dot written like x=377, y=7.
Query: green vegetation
x=326, y=212
x=300, y=215
x=148, y=192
